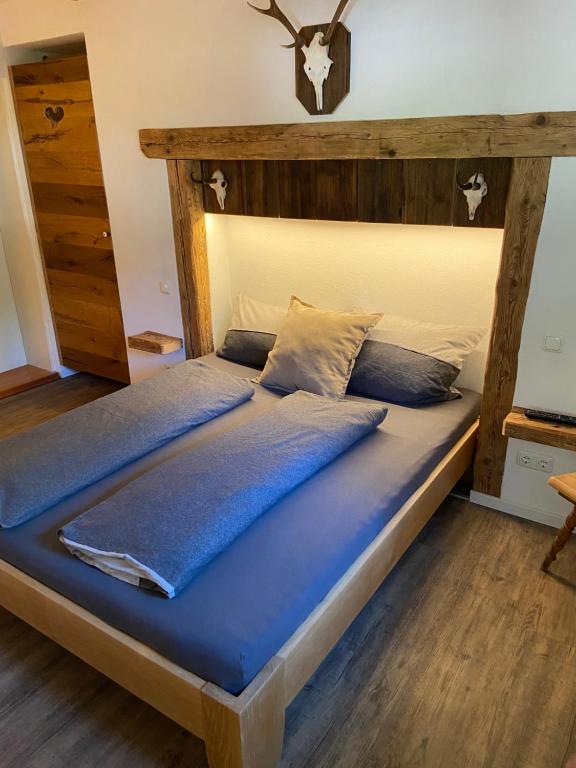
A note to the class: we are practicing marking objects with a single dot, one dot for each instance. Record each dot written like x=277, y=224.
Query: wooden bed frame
x=246, y=731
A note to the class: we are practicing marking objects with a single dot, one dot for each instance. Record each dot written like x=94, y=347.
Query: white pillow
x=253, y=315
x=449, y=343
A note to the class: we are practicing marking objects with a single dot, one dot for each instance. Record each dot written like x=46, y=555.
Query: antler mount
x=322, y=59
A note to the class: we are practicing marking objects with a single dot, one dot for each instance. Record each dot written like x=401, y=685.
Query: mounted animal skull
x=475, y=189
x=218, y=183
x=317, y=66
x=317, y=61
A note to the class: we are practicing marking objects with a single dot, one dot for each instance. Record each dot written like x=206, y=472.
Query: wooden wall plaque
x=337, y=87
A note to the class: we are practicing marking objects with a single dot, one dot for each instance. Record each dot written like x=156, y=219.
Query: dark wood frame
x=529, y=140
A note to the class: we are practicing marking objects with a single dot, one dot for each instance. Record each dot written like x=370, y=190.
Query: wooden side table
x=566, y=487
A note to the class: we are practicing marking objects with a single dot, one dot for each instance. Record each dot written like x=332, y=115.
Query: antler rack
x=332, y=28
x=275, y=12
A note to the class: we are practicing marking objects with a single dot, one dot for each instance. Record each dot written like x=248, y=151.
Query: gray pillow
x=247, y=347
x=252, y=333
x=382, y=371
x=387, y=372
x=402, y=361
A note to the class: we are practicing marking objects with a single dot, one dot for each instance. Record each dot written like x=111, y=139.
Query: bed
x=227, y=656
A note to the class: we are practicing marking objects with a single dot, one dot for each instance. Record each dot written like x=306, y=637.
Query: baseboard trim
x=546, y=517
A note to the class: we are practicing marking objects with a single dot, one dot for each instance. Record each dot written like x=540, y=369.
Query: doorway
x=53, y=101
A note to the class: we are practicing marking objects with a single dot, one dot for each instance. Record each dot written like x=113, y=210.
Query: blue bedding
x=42, y=466
x=161, y=529
x=244, y=605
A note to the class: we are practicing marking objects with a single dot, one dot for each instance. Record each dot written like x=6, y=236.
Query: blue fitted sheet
x=244, y=605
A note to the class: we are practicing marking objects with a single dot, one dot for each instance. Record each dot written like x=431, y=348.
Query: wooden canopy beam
x=524, y=213
x=539, y=134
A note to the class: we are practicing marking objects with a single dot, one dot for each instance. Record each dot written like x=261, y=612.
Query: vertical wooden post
x=246, y=731
x=524, y=212
x=191, y=255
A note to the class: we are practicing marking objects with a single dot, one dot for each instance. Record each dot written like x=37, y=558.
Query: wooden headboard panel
x=384, y=191
x=526, y=143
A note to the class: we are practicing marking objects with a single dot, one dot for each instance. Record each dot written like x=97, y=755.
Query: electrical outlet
x=524, y=459
x=544, y=464
x=554, y=343
x=533, y=461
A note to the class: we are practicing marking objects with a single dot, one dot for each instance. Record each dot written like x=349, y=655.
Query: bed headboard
x=442, y=275
x=424, y=192
x=529, y=141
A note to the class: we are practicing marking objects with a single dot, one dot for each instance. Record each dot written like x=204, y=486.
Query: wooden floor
x=29, y=408
x=465, y=658
x=23, y=378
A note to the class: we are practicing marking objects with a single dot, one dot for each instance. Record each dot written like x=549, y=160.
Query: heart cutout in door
x=54, y=115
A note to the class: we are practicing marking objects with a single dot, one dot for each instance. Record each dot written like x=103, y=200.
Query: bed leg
x=246, y=731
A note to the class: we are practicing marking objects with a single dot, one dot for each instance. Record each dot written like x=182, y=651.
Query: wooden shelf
x=26, y=377
x=543, y=432
x=157, y=343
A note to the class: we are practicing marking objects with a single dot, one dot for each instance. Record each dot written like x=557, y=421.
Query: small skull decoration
x=219, y=184
x=475, y=189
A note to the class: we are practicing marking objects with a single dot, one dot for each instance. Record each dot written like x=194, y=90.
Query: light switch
x=554, y=344
x=164, y=287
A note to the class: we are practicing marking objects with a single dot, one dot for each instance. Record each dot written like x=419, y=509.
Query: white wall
x=20, y=241
x=209, y=62
x=11, y=346
x=436, y=274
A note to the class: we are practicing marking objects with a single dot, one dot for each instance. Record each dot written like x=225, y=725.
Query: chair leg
x=561, y=540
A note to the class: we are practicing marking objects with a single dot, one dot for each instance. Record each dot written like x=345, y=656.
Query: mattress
x=245, y=604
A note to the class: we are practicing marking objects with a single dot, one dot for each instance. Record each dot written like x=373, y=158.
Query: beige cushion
x=316, y=349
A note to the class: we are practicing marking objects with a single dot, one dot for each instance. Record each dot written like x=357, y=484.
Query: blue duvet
x=161, y=529
x=42, y=466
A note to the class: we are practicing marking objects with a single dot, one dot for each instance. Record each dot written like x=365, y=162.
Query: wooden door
x=58, y=131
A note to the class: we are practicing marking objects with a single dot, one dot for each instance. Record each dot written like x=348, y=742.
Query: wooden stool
x=566, y=487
